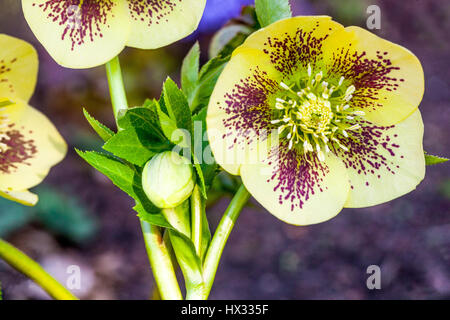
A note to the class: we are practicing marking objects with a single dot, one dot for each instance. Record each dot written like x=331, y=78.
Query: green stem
x=158, y=254
x=161, y=263
x=21, y=262
x=221, y=235
x=196, y=219
x=116, y=87
x=178, y=218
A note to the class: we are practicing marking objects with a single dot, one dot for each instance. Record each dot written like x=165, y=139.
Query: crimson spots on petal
x=152, y=11
x=372, y=149
x=248, y=109
x=5, y=68
x=369, y=75
x=292, y=52
x=15, y=149
x=298, y=176
x=82, y=20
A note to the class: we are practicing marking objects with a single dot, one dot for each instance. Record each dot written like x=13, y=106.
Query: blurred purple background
x=409, y=238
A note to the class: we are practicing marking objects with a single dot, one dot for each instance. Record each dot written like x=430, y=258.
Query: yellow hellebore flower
x=29, y=143
x=88, y=33
x=342, y=104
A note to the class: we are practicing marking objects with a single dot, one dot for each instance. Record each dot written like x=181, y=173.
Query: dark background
x=84, y=220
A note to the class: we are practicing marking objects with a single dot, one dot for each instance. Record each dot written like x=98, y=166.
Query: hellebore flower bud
x=168, y=179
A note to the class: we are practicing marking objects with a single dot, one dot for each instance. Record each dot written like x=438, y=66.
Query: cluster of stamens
x=313, y=114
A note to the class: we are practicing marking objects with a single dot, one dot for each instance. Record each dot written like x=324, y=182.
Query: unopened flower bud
x=168, y=179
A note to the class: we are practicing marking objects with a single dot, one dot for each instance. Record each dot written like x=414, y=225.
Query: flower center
x=312, y=114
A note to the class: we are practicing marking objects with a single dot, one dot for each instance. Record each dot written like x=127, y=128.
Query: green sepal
x=432, y=160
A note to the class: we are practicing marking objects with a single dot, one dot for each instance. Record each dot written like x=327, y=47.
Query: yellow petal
x=24, y=197
x=297, y=191
x=293, y=42
x=240, y=107
x=387, y=163
x=30, y=146
x=18, y=68
x=155, y=24
x=389, y=79
x=79, y=36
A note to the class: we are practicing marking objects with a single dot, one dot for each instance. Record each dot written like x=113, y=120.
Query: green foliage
x=431, y=160
x=142, y=118
x=103, y=131
x=270, y=11
x=135, y=145
x=128, y=179
x=190, y=71
x=177, y=105
x=208, y=76
x=149, y=129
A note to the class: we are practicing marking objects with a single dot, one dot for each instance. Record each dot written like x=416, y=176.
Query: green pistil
x=312, y=114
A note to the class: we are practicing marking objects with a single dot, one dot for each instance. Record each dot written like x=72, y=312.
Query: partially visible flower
x=88, y=33
x=342, y=103
x=168, y=179
x=29, y=143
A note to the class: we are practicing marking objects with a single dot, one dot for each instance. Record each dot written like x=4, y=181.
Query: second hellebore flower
x=343, y=104
x=88, y=33
x=29, y=143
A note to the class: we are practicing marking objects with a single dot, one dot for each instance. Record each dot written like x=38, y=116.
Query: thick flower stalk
x=88, y=33
x=29, y=143
x=315, y=117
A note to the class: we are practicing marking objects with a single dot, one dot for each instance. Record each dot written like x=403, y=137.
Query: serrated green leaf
x=209, y=74
x=128, y=179
x=143, y=118
x=270, y=11
x=169, y=126
x=135, y=145
x=190, y=71
x=117, y=171
x=103, y=131
x=177, y=105
x=432, y=160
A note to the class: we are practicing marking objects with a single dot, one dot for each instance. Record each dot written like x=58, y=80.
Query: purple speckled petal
x=296, y=188
x=383, y=163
